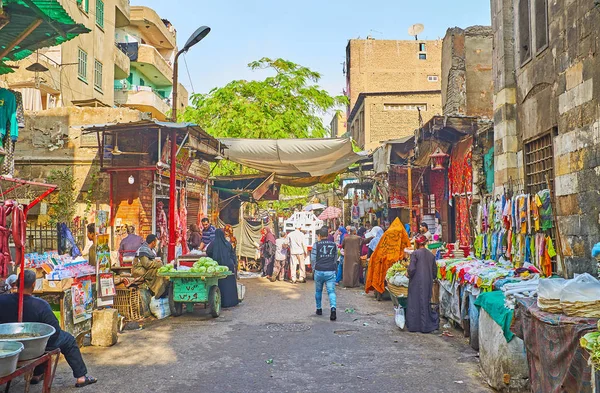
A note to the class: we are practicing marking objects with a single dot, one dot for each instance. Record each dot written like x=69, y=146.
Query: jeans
x=69, y=348
x=327, y=278
x=340, y=270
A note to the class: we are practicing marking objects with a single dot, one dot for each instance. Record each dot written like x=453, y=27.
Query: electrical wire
x=188, y=72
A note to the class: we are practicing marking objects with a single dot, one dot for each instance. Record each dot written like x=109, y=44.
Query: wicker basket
x=397, y=291
x=128, y=302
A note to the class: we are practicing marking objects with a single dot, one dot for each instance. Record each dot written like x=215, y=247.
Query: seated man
x=38, y=310
x=145, y=268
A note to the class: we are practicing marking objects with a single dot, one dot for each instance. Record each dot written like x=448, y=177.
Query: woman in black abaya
x=221, y=251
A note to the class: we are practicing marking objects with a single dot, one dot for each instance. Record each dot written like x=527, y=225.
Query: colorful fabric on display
x=488, y=168
x=437, y=186
x=460, y=172
x=389, y=250
x=20, y=109
x=493, y=304
x=8, y=114
x=542, y=199
x=557, y=363
x=463, y=220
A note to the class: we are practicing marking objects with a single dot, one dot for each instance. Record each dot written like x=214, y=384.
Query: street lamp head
x=198, y=35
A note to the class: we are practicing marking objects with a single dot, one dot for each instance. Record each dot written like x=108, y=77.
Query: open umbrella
x=314, y=206
x=330, y=213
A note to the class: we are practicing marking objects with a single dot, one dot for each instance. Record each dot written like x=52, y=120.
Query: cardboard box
x=57, y=286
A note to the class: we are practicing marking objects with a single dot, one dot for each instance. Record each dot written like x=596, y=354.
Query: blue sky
x=311, y=33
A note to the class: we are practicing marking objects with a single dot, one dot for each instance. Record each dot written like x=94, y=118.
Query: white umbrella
x=314, y=206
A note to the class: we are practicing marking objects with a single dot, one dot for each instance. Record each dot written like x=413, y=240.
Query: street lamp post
x=196, y=37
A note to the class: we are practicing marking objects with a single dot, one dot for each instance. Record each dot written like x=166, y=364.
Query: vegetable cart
x=188, y=288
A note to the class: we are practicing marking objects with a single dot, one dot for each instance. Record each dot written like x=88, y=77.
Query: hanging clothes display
x=518, y=231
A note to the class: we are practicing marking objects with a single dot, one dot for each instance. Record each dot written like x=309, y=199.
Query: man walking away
x=323, y=256
x=280, y=258
x=298, y=254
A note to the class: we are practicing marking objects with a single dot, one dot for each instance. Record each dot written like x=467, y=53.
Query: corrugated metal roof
x=56, y=28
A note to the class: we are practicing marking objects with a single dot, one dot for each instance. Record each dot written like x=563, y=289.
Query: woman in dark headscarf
x=268, y=249
x=221, y=251
x=195, y=237
x=340, y=270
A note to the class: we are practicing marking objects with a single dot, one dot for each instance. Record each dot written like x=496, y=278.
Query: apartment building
x=80, y=72
x=150, y=44
x=393, y=86
x=337, y=125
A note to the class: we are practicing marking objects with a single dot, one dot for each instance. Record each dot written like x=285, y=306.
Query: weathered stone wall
x=52, y=140
x=506, y=158
x=558, y=91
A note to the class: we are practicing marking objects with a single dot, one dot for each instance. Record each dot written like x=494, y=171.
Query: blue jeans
x=340, y=270
x=327, y=278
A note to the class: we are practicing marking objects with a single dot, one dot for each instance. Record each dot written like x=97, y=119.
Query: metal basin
x=9, y=356
x=34, y=347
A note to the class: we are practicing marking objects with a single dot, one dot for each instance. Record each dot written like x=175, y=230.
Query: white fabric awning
x=301, y=158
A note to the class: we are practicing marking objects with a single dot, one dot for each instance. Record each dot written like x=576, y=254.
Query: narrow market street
x=362, y=351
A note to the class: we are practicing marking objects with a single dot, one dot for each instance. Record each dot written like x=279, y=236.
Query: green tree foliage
x=288, y=104
x=62, y=201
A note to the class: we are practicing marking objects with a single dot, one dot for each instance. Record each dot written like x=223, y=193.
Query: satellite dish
x=415, y=30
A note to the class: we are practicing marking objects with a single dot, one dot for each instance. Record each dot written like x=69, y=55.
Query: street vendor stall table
x=557, y=363
x=59, y=294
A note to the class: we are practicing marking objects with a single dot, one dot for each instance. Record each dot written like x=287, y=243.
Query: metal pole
x=173, y=167
x=410, y=196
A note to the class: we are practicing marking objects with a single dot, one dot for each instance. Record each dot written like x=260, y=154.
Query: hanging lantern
x=438, y=160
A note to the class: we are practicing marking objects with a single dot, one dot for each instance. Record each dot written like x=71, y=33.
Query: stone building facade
x=391, y=79
x=467, y=83
x=547, y=112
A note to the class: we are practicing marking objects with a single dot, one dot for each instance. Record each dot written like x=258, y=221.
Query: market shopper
x=89, y=251
x=323, y=256
x=422, y=270
x=195, y=239
x=340, y=268
x=221, y=251
x=229, y=236
x=281, y=254
x=424, y=230
x=38, y=310
x=208, y=233
x=296, y=241
x=352, y=245
x=145, y=268
x=267, y=251
x=130, y=244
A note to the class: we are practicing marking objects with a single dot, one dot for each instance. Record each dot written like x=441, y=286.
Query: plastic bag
x=241, y=290
x=580, y=297
x=550, y=288
x=400, y=319
x=160, y=307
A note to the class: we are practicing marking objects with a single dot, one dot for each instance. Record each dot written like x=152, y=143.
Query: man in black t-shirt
x=38, y=310
x=323, y=257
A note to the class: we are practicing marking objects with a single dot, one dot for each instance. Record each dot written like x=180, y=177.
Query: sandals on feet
x=88, y=381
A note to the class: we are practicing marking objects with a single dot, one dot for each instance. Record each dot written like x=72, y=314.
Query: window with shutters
x=541, y=25
x=82, y=65
x=539, y=164
x=98, y=75
x=524, y=32
x=100, y=13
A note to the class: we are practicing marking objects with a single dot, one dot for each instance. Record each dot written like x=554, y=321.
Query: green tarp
x=493, y=304
x=56, y=28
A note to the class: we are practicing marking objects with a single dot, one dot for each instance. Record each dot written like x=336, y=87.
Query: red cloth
x=460, y=172
x=463, y=223
x=183, y=222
